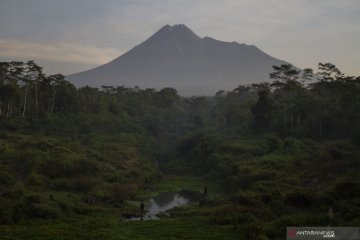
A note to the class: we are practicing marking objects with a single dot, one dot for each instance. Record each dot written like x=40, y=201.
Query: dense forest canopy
x=108, y=143
x=295, y=103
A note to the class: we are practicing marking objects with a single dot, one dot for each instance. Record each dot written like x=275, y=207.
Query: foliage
x=271, y=154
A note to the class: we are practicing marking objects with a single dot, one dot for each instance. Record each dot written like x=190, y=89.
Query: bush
x=244, y=199
x=274, y=143
x=346, y=190
x=6, y=178
x=18, y=213
x=349, y=210
x=83, y=184
x=5, y=213
x=299, y=198
x=36, y=179
x=294, y=146
x=42, y=210
x=121, y=192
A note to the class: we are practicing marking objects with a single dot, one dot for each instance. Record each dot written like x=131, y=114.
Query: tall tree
x=35, y=76
x=263, y=112
x=329, y=77
x=328, y=72
x=285, y=83
x=55, y=81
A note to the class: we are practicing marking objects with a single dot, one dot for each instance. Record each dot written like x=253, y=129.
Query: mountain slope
x=176, y=57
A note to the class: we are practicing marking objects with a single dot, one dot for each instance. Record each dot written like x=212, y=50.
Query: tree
x=286, y=84
x=88, y=96
x=263, y=111
x=284, y=75
x=329, y=72
x=307, y=75
x=167, y=97
x=329, y=77
x=55, y=82
x=14, y=74
x=34, y=76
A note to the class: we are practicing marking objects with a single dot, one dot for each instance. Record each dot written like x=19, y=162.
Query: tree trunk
x=20, y=178
x=25, y=99
x=36, y=100
x=292, y=120
x=8, y=110
x=285, y=120
x=322, y=127
x=298, y=121
x=53, y=101
x=11, y=105
x=90, y=107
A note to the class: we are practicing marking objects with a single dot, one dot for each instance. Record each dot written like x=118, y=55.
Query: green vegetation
x=272, y=155
x=107, y=226
x=176, y=183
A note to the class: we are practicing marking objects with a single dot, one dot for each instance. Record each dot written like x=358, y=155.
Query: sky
x=69, y=36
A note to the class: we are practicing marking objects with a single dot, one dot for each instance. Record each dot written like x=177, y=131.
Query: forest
x=276, y=154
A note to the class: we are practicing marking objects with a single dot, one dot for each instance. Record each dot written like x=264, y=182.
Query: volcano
x=176, y=57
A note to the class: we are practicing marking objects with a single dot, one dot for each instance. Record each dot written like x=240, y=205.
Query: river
x=168, y=200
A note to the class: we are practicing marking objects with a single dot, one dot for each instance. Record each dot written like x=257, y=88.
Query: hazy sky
x=68, y=36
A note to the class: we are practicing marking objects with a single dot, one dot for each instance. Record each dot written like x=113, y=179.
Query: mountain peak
x=180, y=27
x=178, y=30
x=175, y=56
x=178, y=38
x=175, y=27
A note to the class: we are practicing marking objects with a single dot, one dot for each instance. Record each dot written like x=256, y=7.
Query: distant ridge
x=176, y=57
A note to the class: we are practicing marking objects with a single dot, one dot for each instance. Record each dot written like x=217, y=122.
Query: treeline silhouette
x=295, y=103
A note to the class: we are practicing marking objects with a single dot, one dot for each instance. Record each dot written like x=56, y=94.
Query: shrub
x=244, y=199
x=6, y=178
x=83, y=184
x=274, y=143
x=121, y=192
x=299, y=198
x=42, y=210
x=346, y=190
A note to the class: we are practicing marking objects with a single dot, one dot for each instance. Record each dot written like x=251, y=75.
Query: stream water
x=168, y=200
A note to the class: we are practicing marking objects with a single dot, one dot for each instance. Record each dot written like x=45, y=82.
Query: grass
x=104, y=222
x=108, y=225
x=175, y=183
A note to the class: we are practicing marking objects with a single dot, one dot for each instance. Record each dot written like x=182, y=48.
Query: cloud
x=59, y=52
